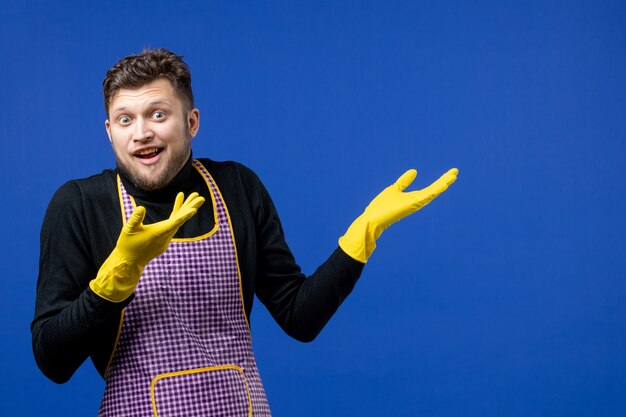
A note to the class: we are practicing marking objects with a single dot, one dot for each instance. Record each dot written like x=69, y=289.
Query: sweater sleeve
x=69, y=317
x=301, y=305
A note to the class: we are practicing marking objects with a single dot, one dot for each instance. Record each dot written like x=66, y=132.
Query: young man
x=151, y=269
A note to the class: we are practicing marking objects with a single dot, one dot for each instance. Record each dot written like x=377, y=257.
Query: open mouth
x=148, y=153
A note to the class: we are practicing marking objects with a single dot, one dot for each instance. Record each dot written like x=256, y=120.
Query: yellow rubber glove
x=137, y=245
x=391, y=205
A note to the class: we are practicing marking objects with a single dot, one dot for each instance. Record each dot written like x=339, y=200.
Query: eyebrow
x=154, y=103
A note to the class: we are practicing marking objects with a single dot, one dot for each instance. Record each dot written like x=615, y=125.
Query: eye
x=158, y=115
x=124, y=120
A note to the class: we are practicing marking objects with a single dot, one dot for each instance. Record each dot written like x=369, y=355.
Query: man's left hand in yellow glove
x=391, y=205
x=137, y=245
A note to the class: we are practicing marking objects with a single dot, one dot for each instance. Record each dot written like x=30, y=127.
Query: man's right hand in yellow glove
x=391, y=205
x=137, y=245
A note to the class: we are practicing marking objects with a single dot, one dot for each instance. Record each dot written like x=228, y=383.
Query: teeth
x=147, y=151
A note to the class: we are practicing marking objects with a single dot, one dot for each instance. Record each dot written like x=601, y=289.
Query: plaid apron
x=184, y=347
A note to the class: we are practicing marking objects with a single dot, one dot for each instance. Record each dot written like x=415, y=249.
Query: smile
x=148, y=153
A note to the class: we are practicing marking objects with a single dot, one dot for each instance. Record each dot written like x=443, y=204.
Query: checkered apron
x=184, y=347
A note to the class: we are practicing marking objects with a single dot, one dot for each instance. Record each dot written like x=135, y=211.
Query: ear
x=193, y=121
x=107, y=126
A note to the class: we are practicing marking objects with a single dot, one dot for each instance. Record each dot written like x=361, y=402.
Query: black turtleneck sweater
x=81, y=227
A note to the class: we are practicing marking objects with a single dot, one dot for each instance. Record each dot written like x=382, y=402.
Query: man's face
x=151, y=133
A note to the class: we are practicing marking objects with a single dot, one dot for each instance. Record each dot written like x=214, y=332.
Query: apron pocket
x=212, y=391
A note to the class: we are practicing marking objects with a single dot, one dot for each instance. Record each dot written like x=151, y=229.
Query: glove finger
x=197, y=202
x=136, y=218
x=191, y=207
x=451, y=175
x=442, y=183
x=405, y=179
x=193, y=201
x=180, y=197
x=187, y=211
x=180, y=206
x=190, y=198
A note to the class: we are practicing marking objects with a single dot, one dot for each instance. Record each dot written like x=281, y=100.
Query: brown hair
x=147, y=66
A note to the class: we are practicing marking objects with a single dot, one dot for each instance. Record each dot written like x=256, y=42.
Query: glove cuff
x=117, y=278
x=358, y=242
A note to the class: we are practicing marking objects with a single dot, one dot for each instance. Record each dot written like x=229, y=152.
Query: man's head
x=150, y=116
x=136, y=70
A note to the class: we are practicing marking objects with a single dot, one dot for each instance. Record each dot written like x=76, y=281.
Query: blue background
x=504, y=297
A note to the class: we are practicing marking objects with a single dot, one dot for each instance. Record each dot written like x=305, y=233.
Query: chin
x=149, y=181
x=152, y=177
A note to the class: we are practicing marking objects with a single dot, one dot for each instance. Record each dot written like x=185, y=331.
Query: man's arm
x=70, y=319
x=88, y=273
x=303, y=306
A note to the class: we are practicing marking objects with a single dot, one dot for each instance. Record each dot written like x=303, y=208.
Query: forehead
x=159, y=90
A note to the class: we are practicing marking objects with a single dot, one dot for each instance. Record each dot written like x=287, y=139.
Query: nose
x=142, y=131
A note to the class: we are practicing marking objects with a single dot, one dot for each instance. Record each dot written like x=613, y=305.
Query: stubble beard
x=151, y=183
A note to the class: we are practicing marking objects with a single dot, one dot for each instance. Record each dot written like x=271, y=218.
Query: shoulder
x=228, y=169
x=232, y=175
x=78, y=192
x=239, y=185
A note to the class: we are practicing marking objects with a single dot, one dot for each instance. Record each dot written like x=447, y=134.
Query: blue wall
x=504, y=297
